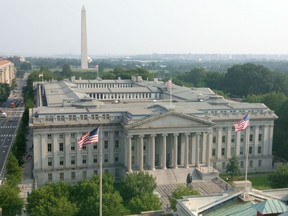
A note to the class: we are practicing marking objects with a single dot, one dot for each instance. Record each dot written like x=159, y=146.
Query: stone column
x=270, y=140
x=219, y=142
x=141, y=153
x=203, y=148
x=209, y=149
x=152, y=152
x=129, y=143
x=164, y=151
x=265, y=140
x=175, y=150
x=228, y=143
x=197, y=149
x=186, y=150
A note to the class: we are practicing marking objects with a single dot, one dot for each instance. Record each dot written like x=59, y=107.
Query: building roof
x=270, y=207
x=4, y=62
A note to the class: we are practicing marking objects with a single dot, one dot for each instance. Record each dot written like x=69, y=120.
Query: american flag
x=89, y=138
x=169, y=83
x=242, y=124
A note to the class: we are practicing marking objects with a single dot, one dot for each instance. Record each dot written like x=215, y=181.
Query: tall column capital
x=153, y=135
x=175, y=134
x=164, y=135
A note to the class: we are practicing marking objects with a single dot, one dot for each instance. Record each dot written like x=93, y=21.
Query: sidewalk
x=26, y=185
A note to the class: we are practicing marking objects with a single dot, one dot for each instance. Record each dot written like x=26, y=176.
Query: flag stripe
x=89, y=138
x=242, y=124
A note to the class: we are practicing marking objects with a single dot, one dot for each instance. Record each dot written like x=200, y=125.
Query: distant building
x=144, y=126
x=7, y=72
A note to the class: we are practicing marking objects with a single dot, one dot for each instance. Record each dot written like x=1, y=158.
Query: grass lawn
x=259, y=180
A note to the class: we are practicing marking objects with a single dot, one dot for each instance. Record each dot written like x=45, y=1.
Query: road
x=8, y=132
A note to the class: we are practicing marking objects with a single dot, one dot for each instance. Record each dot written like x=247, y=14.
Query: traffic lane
x=6, y=143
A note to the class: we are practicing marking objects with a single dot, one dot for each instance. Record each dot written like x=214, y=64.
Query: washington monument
x=84, y=55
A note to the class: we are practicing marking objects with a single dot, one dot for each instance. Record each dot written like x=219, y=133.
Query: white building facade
x=142, y=129
x=7, y=72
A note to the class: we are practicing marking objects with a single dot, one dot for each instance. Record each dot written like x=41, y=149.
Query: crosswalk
x=8, y=126
x=7, y=135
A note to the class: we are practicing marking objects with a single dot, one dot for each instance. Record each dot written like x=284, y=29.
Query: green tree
x=278, y=179
x=146, y=202
x=52, y=200
x=137, y=184
x=179, y=192
x=14, y=171
x=10, y=201
x=232, y=167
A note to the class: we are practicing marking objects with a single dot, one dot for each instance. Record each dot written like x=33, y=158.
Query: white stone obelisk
x=84, y=52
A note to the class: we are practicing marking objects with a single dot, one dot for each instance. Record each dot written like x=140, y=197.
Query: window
x=214, y=139
x=72, y=175
x=95, y=172
x=50, y=177
x=223, y=151
x=61, y=136
x=84, y=148
x=241, y=150
x=106, y=133
x=106, y=158
x=106, y=144
x=72, y=146
x=259, y=163
x=49, y=161
x=73, y=158
x=117, y=158
x=95, y=158
x=260, y=137
x=116, y=133
x=232, y=138
x=49, y=147
x=251, y=163
x=242, y=138
x=72, y=135
x=84, y=159
x=61, y=176
x=250, y=150
x=95, y=146
x=49, y=136
x=223, y=139
x=61, y=161
x=213, y=152
x=133, y=147
x=84, y=174
x=116, y=144
x=144, y=147
x=241, y=164
x=251, y=137
x=233, y=151
x=61, y=146
x=259, y=149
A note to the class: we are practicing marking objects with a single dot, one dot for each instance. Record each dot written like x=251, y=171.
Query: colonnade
x=167, y=150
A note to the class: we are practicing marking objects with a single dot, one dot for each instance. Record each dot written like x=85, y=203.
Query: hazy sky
x=52, y=27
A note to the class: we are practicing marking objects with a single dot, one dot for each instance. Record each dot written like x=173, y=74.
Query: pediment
x=171, y=120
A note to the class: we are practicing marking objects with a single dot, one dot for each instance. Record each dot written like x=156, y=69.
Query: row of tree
x=4, y=92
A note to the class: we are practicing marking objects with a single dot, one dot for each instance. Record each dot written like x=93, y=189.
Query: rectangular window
x=49, y=136
x=84, y=159
x=95, y=146
x=50, y=177
x=214, y=139
x=213, y=152
x=61, y=147
x=49, y=147
x=223, y=139
x=259, y=163
x=61, y=176
x=242, y=138
x=95, y=172
x=250, y=150
x=223, y=151
x=259, y=149
x=241, y=164
x=72, y=175
x=49, y=161
x=73, y=160
x=251, y=137
x=84, y=148
x=232, y=138
x=116, y=133
x=241, y=150
x=106, y=144
x=84, y=174
x=106, y=158
x=260, y=137
x=72, y=135
x=72, y=146
x=116, y=144
x=95, y=158
x=61, y=161
x=117, y=158
x=233, y=151
x=61, y=136
x=106, y=133
x=251, y=163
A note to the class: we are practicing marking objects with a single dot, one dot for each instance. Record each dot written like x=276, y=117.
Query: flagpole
x=246, y=163
x=171, y=94
x=100, y=158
